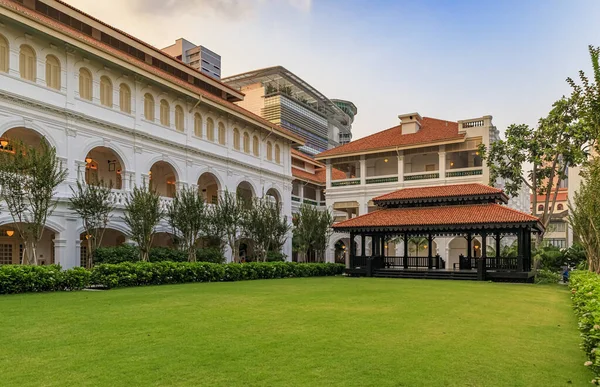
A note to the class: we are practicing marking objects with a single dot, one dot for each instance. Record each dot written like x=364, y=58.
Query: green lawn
x=294, y=332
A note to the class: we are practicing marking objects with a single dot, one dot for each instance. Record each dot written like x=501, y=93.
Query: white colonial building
x=121, y=111
x=419, y=152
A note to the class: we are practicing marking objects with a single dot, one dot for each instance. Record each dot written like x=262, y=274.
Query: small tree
x=584, y=214
x=228, y=215
x=93, y=205
x=264, y=224
x=560, y=141
x=188, y=216
x=142, y=215
x=29, y=177
x=323, y=232
x=312, y=230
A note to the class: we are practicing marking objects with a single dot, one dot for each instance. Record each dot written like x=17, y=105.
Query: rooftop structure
x=282, y=97
x=199, y=57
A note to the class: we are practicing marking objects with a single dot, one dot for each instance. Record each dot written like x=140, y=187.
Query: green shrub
x=126, y=253
x=118, y=254
x=547, y=277
x=25, y=278
x=276, y=256
x=161, y=254
x=210, y=254
x=147, y=273
x=550, y=258
x=585, y=294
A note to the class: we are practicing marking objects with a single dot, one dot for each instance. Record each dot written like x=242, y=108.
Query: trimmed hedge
x=126, y=253
x=25, y=279
x=145, y=273
x=585, y=294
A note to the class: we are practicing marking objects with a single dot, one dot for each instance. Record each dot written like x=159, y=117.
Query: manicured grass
x=294, y=332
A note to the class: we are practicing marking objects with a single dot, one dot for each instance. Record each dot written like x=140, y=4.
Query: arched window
x=246, y=142
x=222, y=133
x=52, y=72
x=179, y=119
x=4, y=58
x=236, y=139
x=85, y=84
x=165, y=113
x=277, y=154
x=269, y=151
x=255, y=146
x=149, y=107
x=210, y=129
x=106, y=91
x=125, y=98
x=27, y=63
x=560, y=207
x=541, y=207
x=198, y=125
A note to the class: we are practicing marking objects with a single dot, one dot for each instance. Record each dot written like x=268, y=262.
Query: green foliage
x=276, y=256
x=29, y=176
x=312, y=230
x=23, y=279
x=145, y=273
x=543, y=277
x=126, y=253
x=584, y=214
x=264, y=224
x=550, y=258
x=210, y=254
x=92, y=203
x=585, y=294
x=188, y=216
x=227, y=218
x=142, y=215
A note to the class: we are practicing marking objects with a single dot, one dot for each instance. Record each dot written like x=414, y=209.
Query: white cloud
x=228, y=9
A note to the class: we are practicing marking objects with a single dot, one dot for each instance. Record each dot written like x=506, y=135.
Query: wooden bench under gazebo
x=467, y=210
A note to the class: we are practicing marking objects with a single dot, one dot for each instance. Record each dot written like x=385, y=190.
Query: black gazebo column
x=498, y=244
x=373, y=245
x=469, y=248
x=481, y=263
x=363, y=250
x=352, y=250
x=521, y=250
x=405, y=258
x=527, y=250
x=429, y=253
x=382, y=245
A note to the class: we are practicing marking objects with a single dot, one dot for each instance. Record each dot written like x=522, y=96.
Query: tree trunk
x=192, y=255
x=29, y=252
x=89, y=263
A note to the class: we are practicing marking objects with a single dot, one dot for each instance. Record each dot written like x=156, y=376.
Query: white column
x=328, y=173
x=301, y=191
x=363, y=170
x=442, y=161
x=66, y=245
x=401, y=168
x=318, y=195
x=228, y=254
x=80, y=165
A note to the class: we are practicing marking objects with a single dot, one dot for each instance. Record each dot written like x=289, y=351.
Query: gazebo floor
x=424, y=273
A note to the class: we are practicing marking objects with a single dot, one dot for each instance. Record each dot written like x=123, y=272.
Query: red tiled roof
x=75, y=34
x=320, y=175
x=442, y=191
x=432, y=130
x=471, y=214
x=541, y=199
x=306, y=157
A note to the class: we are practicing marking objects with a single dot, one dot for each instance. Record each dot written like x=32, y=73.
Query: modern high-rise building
x=282, y=97
x=199, y=57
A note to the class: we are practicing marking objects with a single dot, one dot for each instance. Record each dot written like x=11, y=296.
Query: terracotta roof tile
x=78, y=35
x=432, y=130
x=442, y=191
x=475, y=214
x=320, y=175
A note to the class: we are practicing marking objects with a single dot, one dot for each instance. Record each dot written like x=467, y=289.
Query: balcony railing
x=118, y=197
x=344, y=183
x=421, y=176
x=465, y=172
x=382, y=179
x=295, y=198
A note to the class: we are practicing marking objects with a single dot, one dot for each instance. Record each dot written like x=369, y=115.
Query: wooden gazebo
x=467, y=210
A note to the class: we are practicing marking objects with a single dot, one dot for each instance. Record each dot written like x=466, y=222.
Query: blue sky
x=446, y=59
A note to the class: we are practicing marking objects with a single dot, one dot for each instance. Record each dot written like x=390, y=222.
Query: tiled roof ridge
x=438, y=187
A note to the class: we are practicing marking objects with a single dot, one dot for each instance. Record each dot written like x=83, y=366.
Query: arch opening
x=163, y=179
x=208, y=185
x=103, y=166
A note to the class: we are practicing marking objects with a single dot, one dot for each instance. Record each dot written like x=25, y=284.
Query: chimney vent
x=411, y=122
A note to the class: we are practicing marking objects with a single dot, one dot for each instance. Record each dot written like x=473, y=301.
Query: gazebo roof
x=450, y=194
x=441, y=218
